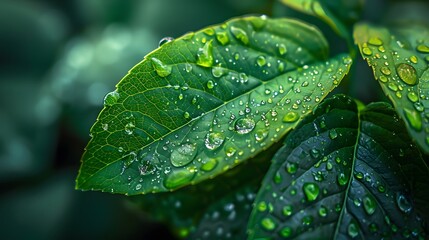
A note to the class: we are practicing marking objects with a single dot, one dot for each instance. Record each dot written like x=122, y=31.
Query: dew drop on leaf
x=205, y=55
x=209, y=165
x=188, y=67
x=423, y=48
x=333, y=134
x=375, y=41
x=286, y=232
x=261, y=135
x=183, y=155
x=403, y=203
x=222, y=37
x=240, y=34
x=290, y=117
x=413, y=118
x=129, y=128
x=111, y=98
x=261, y=61
x=353, y=230
x=162, y=69
x=323, y=211
x=244, y=125
x=230, y=151
x=407, y=73
x=311, y=191
x=412, y=96
x=165, y=40
x=268, y=224
x=287, y=210
x=178, y=178
x=217, y=72
x=210, y=84
x=369, y=204
x=342, y=179
x=214, y=140
x=291, y=167
x=367, y=51
x=282, y=49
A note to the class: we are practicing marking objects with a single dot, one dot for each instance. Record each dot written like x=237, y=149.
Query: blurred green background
x=58, y=60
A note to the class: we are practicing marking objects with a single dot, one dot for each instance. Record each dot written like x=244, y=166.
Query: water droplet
x=162, y=69
x=129, y=128
x=307, y=220
x=367, y=51
x=261, y=61
x=414, y=59
x=392, y=86
x=183, y=155
x=369, y=204
x=413, y=118
x=138, y=187
x=261, y=135
x=423, y=48
x=333, y=134
x=291, y=167
x=412, y=96
x=268, y=224
x=240, y=34
x=323, y=211
x=178, y=178
x=286, y=232
x=230, y=151
x=290, y=117
x=210, y=84
x=287, y=210
x=111, y=98
x=165, y=40
x=209, y=31
x=385, y=70
x=353, y=230
x=188, y=67
x=214, y=140
x=282, y=49
x=209, y=165
x=222, y=37
x=243, y=78
x=205, y=55
x=342, y=179
x=186, y=115
x=218, y=72
x=375, y=41
x=244, y=125
x=311, y=191
x=403, y=203
x=258, y=22
x=383, y=78
x=262, y=206
x=407, y=73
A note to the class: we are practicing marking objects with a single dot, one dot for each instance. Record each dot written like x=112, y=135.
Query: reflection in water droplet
x=414, y=59
x=369, y=204
x=307, y=220
x=385, y=71
x=165, y=40
x=205, y=55
x=413, y=118
x=407, y=73
x=111, y=98
x=240, y=34
x=188, y=67
x=214, y=140
x=244, y=125
x=311, y=191
x=183, y=155
x=178, y=178
x=230, y=151
x=258, y=22
x=162, y=69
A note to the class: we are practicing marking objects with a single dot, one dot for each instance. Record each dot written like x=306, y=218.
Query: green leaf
x=203, y=103
x=399, y=58
x=338, y=14
x=345, y=172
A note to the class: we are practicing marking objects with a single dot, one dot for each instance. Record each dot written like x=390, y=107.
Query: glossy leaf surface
x=399, y=58
x=344, y=173
x=203, y=103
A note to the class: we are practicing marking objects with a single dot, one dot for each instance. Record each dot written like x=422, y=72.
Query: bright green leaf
x=399, y=59
x=203, y=103
x=338, y=14
x=355, y=174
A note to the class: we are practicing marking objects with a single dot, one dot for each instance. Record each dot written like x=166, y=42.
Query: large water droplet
x=209, y=165
x=353, y=230
x=407, y=73
x=268, y=224
x=307, y=220
x=205, y=55
x=403, y=203
x=423, y=48
x=412, y=96
x=413, y=118
x=178, y=178
x=240, y=34
x=222, y=37
x=111, y=98
x=290, y=117
x=311, y=191
x=183, y=155
x=214, y=140
x=375, y=41
x=162, y=69
x=244, y=125
x=165, y=40
x=369, y=204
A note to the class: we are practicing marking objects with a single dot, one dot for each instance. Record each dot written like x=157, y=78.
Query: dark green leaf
x=399, y=59
x=344, y=173
x=203, y=103
x=339, y=14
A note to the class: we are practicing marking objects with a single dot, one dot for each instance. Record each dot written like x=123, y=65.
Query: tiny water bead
x=162, y=69
x=111, y=98
x=178, y=178
x=214, y=140
x=290, y=117
x=386, y=71
x=413, y=118
x=311, y=191
x=165, y=40
x=244, y=125
x=183, y=155
x=205, y=55
x=407, y=73
x=287, y=210
x=240, y=34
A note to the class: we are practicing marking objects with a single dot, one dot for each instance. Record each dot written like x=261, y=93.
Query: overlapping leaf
x=344, y=173
x=399, y=58
x=203, y=103
x=339, y=14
